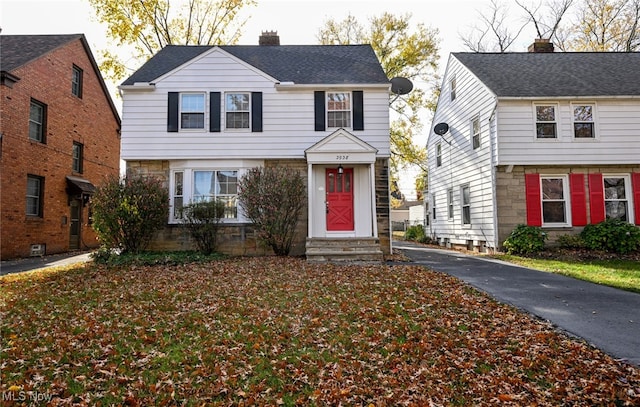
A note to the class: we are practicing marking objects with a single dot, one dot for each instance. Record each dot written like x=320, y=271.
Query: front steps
x=344, y=249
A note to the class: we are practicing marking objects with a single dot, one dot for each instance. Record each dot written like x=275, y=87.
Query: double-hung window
x=616, y=197
x=35, y=193
x=77, y=157
x=238, y=110
x=76, y=81
x=339, y=109
x=438, y=155
x=583, y=121
x=452, y=88
x=475, y=132
x=37, y=121
x=221, y=185
x=192, y=110
x=554, y=201
x=178, y=194
x=465, y=194
x=450, y=203
x=546, y=122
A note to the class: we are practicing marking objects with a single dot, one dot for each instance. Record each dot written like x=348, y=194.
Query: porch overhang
x=341, y=147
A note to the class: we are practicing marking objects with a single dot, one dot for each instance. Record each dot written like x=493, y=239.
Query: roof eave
x=573, y=97
x=307, y=86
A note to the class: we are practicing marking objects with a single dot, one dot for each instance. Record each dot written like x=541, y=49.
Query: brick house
x=548, y=139
x=60, y=137
x=200, y=116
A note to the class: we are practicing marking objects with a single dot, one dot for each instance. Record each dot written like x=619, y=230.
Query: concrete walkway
x=607, y=318
x=35, y=263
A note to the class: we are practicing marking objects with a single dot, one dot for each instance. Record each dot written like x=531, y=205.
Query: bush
x=202, y=219
x=415, y=233
x=570, y=241
x=525, y=240
x=612, y=235
x=272, y=199
x=127, y=212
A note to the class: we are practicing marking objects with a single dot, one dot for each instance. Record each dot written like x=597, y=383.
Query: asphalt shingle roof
x=18, y=50
x=301, y=64
x=554, y=74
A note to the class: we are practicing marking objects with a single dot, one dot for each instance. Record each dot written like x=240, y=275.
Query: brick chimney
x=541, y=45
x=269, y=38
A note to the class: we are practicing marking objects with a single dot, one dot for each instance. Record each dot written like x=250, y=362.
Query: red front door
x=339, y=199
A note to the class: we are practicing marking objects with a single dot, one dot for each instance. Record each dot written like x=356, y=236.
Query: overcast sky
x=296, y=21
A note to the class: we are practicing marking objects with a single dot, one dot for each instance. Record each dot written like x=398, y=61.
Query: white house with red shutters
x=547, y=139
x=200, y=116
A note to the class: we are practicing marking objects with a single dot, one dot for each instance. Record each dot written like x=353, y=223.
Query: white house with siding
x=545, y=139
x=200, y=116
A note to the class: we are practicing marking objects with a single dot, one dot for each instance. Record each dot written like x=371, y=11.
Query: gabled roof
x=556, y=74
x=19, y=50
x=301, y=64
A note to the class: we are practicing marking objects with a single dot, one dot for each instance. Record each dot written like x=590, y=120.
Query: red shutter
x=578, y=200
x=635, y=185
x=596, y=198
x=534, y=204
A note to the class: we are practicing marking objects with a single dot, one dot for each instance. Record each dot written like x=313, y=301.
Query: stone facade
x=241, y=238
x=511, y=201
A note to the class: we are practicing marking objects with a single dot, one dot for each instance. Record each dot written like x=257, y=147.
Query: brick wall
x=88, y=120
x=510, y=194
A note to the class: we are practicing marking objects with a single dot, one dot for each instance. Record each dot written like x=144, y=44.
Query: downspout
x=493, y=141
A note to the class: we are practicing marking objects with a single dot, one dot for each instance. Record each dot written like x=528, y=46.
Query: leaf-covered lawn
x=269, y=331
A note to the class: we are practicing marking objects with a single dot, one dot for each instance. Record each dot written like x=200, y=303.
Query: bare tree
x=546, y=17
x=494, y=32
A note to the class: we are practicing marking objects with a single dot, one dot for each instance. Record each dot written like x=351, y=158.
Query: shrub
x=525, y=240
x=272, y=199
x=416, y=233
x=128, y=211
x=570, y=241
x=202, y=219
x=612, y=235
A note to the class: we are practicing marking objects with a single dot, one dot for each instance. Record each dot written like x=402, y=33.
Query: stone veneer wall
x=382, y=204
x=235, y=239
x=511, y=200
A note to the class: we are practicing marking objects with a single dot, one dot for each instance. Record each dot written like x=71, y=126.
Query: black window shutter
x=318, y=97
x=172, y=116
x=214, y=112
x=256, y=112
x=358, y=113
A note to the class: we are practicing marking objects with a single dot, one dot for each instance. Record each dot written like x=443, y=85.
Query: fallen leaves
x=280, y=331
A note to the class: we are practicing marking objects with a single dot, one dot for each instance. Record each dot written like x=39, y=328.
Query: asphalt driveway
x=607, y=318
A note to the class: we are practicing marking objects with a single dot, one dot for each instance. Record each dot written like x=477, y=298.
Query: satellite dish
x=401, y=86
x=441, y=129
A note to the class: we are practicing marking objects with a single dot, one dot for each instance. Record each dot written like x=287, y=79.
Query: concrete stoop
x=344, y=250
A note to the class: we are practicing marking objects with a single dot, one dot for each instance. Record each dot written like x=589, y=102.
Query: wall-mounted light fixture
x=340, y=169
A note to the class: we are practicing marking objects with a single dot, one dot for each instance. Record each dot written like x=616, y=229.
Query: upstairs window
x=238, y=110
x=546, y=124
x=475, y=132
x=338, y=109
x=452, y=88
x=35, y=192
x=192, y=111
x=438, y=155
x=76, y=81
x=37, y=121
x=77, y=157
x=583, y=123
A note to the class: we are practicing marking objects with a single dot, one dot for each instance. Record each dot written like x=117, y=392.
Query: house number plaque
x=342, y=157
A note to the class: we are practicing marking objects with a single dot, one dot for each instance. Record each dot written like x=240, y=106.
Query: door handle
x=327, y=205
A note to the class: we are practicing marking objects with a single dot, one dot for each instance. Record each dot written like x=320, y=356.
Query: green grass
x=624, y=274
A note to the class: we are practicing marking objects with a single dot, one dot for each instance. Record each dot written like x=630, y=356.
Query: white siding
x=617, y=140
x=461, y=164
x=288, y=116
